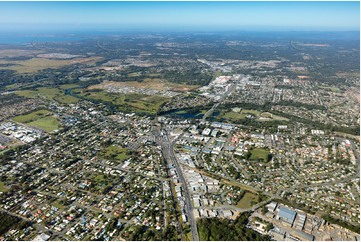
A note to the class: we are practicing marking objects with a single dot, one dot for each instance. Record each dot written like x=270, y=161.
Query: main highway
x=189, y=207
x=169, y=156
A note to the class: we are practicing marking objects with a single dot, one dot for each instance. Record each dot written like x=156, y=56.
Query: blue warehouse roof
x=287, y=215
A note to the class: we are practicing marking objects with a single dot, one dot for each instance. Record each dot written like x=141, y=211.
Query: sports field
x=259, y=154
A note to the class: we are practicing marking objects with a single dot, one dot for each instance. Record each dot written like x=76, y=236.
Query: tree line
x=228, y=230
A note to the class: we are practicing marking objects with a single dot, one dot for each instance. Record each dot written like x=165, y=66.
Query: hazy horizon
x=182, y=16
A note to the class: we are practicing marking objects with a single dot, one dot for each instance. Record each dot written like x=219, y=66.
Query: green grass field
x=188, y=236
x=250, y=111
x=46, y=93
x=259, y=154
x=13, y=86
x=3, y=151
x=240, y=115
x=203, y=111
x=57, y=204
x=115, y=153
x=181, y=112
x=101, y=181
x=248, y=200
x=36, y=64
x=279, y=118
x=99, y=178
x=67, y=86
x=46, y=123
x=332, y=89
x=134, y=74
x=272, y=117
x=66, y=99
x=31, y=116
x=40, y=119
x=265, y=116
x=234, y=116
x=131, y=102
x=2, y=187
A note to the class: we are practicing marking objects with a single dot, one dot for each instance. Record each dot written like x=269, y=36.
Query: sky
x=218, y=15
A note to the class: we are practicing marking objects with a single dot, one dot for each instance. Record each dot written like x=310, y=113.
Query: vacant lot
x=36, y=64
x=248, y=200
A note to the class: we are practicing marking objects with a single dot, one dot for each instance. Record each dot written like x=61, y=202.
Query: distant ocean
x=27, y=37
x=9, y=39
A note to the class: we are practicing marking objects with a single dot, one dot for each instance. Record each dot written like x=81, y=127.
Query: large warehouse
x=286, y=215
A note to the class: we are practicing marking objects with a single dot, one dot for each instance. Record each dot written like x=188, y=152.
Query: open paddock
x=36, y=64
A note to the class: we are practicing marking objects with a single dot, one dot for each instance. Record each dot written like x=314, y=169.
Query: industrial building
x=286, y=215
x=302, y=235
x=300, y=222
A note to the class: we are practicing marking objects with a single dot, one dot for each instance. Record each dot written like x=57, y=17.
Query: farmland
x=36, y=64
x=11, y=53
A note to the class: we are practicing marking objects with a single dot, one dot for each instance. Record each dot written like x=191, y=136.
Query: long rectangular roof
x=287, y=214
x=302, y=235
